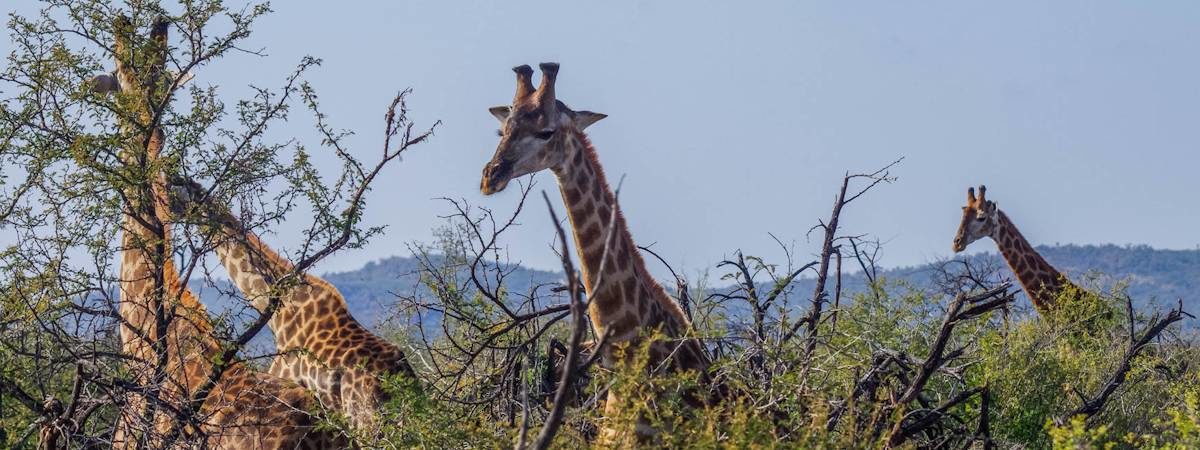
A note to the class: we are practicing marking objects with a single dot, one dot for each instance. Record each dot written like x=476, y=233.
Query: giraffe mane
x=639, y=263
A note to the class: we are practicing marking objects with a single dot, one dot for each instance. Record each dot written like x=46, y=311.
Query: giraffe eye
x=544, y=134
x=499, y=132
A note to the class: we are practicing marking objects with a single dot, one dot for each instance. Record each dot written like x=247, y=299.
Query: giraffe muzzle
x=495, y=177
x=958, y=245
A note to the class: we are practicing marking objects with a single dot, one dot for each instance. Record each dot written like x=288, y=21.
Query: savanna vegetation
x=959, y=362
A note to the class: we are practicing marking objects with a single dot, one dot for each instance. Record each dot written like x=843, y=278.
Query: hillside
x=1153, y=275
x=371, y=291
x=1150, y=275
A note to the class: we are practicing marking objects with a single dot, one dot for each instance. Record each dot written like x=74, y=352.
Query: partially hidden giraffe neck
x=152, y=294
x=625, y=298
x=252, y=266
x=321, y=345
x=164, y=328
x=256, y=269
x=243, y=397
x=1041, y=281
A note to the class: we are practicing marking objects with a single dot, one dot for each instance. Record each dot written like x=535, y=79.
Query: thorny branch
x=1095, y=403
x=828, y=248
x=578, y=326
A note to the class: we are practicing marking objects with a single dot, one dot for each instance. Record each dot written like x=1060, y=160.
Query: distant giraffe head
x=1042, y=282
x=980, y=219
x=184, y=198
x=533, y=130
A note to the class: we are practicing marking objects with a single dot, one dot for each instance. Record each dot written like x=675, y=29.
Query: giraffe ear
x=584, y=119
x=500, y=112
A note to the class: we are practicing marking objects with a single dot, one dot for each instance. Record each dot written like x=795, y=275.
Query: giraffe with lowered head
x=1041, y=281
x=539, y=132
x=164, y=329
x=320, y=345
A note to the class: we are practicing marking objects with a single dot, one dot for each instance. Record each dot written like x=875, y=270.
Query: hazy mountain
x=1149, y=275
x=371, y=292
x=373, y=289
x=1159, y=275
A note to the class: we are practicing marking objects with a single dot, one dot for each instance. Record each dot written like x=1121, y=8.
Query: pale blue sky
x=1082, y=117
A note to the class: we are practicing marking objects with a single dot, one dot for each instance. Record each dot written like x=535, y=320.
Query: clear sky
x=732, y=120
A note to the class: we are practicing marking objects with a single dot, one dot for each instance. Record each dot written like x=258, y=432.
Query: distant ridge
x=1149, y=275
x=1161, y=276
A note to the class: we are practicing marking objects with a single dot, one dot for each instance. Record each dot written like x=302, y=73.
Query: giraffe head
x=556, y=363
x=534, y=130
x=980, y=219
x=185, y=196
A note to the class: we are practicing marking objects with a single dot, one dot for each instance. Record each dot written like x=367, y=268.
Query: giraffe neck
x=306, y=304
x=625, y=298
x=152, y=293
x=321, y=346
x=1041, y=281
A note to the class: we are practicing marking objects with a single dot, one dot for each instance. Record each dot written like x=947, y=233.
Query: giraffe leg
x=610, y=436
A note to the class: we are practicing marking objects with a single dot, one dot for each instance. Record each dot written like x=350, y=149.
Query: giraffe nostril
x=495, y=171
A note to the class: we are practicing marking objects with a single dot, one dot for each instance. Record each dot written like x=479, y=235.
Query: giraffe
x=1041, y=281
x=320, y=344
x=539, y=132
x=164, y=329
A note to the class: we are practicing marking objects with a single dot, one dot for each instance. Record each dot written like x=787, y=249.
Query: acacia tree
x=61, y=185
